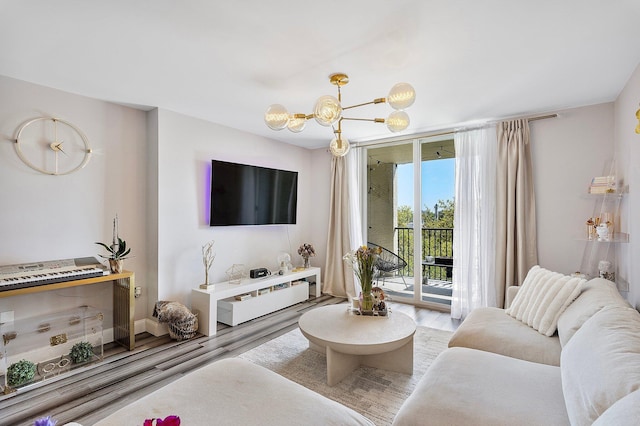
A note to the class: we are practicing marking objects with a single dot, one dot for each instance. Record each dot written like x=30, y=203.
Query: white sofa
x=235, y=392
x=500, y=371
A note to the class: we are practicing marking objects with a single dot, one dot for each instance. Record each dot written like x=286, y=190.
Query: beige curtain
x=516, y=250
x=338, y=277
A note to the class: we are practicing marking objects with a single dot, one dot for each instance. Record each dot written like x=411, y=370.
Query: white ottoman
x=236, y=392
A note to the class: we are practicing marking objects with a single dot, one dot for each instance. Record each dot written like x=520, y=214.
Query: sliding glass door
x=409, y=213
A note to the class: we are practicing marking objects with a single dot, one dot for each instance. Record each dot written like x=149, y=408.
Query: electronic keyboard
x=24, y=275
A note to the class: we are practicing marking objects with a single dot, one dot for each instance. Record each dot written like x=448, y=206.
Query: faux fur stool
x=183, y=324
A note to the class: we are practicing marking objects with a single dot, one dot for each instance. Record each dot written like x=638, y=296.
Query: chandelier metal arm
x=375, y=120
x=375, y=101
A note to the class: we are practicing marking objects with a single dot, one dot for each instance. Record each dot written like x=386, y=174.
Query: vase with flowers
x=306, y=250
x=363, y=261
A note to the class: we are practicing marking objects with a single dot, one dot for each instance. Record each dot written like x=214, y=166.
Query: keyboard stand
x=123, y=302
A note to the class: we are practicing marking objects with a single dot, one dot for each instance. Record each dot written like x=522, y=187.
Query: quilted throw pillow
x=543, y=296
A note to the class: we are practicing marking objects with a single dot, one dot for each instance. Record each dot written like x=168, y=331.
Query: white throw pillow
x=543, y=296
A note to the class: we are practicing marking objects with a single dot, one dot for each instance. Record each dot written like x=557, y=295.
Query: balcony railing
x=437, y=243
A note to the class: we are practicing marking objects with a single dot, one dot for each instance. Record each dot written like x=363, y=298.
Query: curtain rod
x=530, y=119
x=454, y=130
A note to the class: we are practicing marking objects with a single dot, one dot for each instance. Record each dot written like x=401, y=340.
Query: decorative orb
x=296, y=125
x=327, y=110
x=401, y=96
x=339, y=150
x=276, y=117
x=397, y=121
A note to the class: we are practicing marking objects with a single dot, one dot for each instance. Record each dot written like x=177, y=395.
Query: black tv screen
x=252, y=195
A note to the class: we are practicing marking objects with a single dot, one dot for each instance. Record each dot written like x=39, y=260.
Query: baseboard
x=139, y=326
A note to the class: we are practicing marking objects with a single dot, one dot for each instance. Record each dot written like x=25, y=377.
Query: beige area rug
x=377, y=394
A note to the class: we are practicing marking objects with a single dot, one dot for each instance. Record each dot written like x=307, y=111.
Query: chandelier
x=328, y=112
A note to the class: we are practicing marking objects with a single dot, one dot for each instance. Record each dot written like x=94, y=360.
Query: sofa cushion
x=543, y=297
x=625, y=411
x=596, y=294
x=235, y=392
x=492, y=330
x=601, y=363
x=470, y=387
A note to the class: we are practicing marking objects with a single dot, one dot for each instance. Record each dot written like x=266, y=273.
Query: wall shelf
x=603, y=251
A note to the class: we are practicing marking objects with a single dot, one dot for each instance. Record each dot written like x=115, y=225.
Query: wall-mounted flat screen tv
x=250, y=195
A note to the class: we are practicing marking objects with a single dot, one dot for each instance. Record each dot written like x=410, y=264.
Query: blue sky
x=437, y=182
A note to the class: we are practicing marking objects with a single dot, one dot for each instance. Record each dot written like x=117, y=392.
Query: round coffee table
x=351, y=340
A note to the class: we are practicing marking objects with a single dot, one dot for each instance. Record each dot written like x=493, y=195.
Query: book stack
x=602, y=185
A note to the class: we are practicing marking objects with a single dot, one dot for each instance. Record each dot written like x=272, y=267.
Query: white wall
x=45, y=217
x=567, y=152
x=186, y=147
x=628, y=159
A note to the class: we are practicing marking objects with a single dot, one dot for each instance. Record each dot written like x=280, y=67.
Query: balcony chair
x=387, y=262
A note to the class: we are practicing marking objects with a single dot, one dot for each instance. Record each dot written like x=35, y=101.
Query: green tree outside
x=437, y=240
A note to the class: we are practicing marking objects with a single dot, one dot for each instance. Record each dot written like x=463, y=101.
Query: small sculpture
x=236, y=273
x=208, y=256
x=603, y=231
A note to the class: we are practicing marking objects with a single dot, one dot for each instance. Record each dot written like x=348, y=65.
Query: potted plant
x=118, y=250
x=81, y=352
x=20, y=372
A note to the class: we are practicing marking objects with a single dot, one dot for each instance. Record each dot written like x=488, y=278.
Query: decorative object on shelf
x=306, y=250
x=118, y=250
x=603, y=231
x=21, y=372
x=591, y=229
x=638, y=117
x=183, y=324
x=44, y=327
x=168, y=421
x=52, y=146
x=9, y=336
x=236, y=273
x=81, y=352
x=604, y=270
x=54, y=367
x=328, y=110
x=284, y=263
x=208, y=256
x=603, y=185
x=363, y=262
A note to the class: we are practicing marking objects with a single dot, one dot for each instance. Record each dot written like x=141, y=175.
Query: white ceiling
x=226, y=62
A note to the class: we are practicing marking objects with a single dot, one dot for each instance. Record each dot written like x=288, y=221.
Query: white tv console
x=219, y=304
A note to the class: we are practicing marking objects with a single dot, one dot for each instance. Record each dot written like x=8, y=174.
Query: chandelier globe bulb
x=327, y=110
x=397, y=121
x=339, y=148
x=296, y=124
x=401, y=96
x=276, y=117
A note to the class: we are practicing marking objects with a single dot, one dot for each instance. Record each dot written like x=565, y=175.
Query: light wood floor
x=88, y=394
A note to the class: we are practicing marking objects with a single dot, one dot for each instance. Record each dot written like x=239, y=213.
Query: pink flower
x=168, y=421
